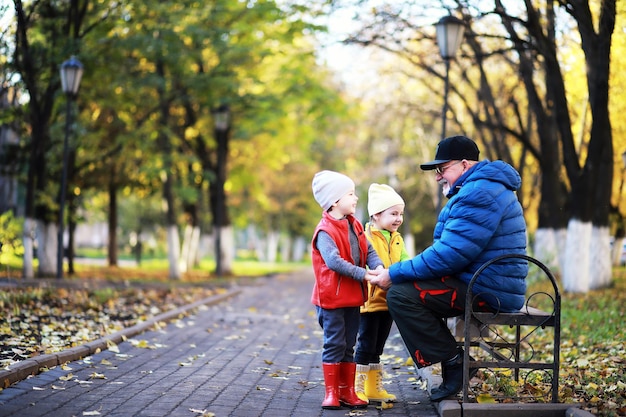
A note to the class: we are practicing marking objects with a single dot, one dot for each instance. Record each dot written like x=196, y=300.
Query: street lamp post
x=449, y=36
x=221, y=118
x=71, y=74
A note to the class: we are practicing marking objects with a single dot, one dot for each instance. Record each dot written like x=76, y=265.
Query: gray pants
x=419, y=309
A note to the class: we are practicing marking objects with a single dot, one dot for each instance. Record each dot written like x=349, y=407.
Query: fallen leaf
x=485, y=399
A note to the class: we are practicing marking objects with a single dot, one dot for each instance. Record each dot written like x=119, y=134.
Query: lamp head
x=449, y=35
x=221, y=117
x=71, y=74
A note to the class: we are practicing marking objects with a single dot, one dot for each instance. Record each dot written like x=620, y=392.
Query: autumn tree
x=529, y=44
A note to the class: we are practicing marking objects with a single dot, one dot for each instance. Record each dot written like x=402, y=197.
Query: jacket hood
x=498, y=171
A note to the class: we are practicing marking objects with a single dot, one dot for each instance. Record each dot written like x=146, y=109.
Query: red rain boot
x=347, y=395
x=331, y=382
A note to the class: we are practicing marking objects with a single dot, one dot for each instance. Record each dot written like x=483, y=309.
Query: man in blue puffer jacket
x=482, y=220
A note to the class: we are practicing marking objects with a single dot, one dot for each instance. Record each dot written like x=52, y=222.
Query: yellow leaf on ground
x=112, y=347
x=582, y=363
x=485, y=399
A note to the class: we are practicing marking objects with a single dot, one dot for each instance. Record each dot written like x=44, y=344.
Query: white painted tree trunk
x=184, y=251
x=549, y=248
x=47, y=248
x=228, y=249
x=577, y=260
x=189, y=250
x=173, y=251
x=193, y=258
x=285, y=248
x=299, y=249
x=28, y=239
x=272, y=246
x=600, y=272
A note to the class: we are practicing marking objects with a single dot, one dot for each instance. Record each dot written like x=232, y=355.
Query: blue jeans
x=340, y=326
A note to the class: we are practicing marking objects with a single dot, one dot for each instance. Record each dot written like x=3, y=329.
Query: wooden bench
x=505, y=340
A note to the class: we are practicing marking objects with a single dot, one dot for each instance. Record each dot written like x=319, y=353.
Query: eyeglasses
x=440, y=170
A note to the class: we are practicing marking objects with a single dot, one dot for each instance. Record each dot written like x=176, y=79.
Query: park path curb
x=449, y=408
x=35, y=365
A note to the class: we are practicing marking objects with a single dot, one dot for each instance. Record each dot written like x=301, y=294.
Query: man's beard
x=445, y=187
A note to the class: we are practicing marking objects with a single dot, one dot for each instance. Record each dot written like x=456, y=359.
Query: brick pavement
x=256, y=354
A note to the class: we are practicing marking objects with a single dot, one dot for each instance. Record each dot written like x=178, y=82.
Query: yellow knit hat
x=380, y=197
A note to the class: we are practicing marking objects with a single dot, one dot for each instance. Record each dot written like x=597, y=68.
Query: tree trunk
x=173, y=252
x=219, y=206
x=185, y=251
x=29, y=236
x=112, y=223
x=47, y=248
x=163, y=141
x=591, y=188
x=285, y=248
x=71, y=228
x=272, y=245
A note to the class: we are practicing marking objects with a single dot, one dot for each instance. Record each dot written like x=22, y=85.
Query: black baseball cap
x=454, y=148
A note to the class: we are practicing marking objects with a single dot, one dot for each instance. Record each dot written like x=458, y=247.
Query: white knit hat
x=380, y=197
x=329, y=187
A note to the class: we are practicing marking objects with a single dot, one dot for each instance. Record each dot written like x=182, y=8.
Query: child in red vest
x=341, y=256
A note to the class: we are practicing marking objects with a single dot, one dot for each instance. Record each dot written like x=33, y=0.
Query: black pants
x=419, y=309
x=373, y=333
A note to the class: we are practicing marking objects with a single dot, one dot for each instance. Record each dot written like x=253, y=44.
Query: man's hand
x=380, y=278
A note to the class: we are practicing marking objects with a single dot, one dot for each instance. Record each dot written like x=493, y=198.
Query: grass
x=155, y=269
x=593, y=347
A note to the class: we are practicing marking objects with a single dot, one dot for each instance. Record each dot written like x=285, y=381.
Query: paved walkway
x=257, y=353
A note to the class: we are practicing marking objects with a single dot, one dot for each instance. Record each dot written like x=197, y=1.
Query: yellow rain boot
x=374, y=385
x=359, y=383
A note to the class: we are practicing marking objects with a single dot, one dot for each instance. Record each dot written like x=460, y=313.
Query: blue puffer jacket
x=483, y=219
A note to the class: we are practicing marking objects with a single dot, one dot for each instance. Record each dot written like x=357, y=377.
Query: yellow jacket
x=390, y=248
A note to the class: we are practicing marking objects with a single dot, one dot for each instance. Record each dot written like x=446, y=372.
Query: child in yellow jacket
x=386, y=210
